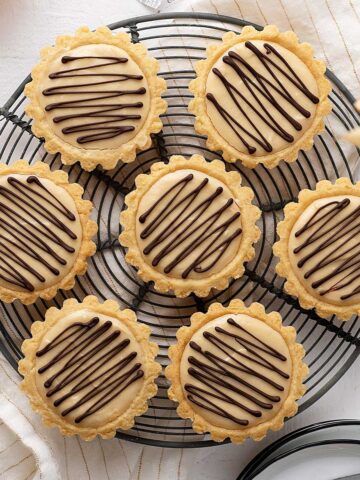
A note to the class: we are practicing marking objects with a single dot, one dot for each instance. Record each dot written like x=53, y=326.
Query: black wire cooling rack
x=177, y=41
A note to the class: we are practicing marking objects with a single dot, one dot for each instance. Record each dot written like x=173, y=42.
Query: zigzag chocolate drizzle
x=192, y=228
x=88, y=350
x=29, y=228
x=94, y=104
x=224, y=371
x=261, y=87
x=342, y=258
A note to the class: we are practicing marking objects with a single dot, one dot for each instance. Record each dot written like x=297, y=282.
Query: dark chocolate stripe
x=192, y=227
x=86, y=351
x=261, y=87
x=93, y=103
x=225, y=373
x=31, y=218
x=328, y=232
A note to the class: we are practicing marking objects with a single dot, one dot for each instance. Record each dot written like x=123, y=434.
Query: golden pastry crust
x=292, y=212
x=107, y=158
x=202, y=286
x=151, y=368
x=299, y=372
x=197, y=106
x=89, y=228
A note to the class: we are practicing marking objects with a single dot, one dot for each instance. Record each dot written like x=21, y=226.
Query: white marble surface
x=25, y=26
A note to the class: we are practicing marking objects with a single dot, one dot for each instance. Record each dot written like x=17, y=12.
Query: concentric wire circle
x=177, y=41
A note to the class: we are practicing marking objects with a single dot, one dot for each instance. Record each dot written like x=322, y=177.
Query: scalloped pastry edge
x=90, y=158
x=203, y=124
x=249, y=215
x=151, y=368
x=292, y=211
x=89, y=229
x=299, y=372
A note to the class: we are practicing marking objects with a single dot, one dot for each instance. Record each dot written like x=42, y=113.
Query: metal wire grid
x=178, y=40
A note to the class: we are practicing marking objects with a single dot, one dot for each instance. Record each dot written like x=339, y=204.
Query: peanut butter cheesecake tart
x=260, y=96
x=96, y=98
x=89, y=368
x=45, y=232
x=189, y=226
x=319, y=248
x=236, y=372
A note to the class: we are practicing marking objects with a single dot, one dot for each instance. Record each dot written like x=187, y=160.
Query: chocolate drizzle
x=330, y=242
x=224, y=373
x=91, y=101
x=253, y=88
x=31, y=219
x=92, y=366
x=192, y=229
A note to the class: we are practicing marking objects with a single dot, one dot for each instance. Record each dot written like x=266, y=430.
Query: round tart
x=189, y=226
x=89, y=368
x=319, y=248
x=260, y=97
x=95, y=98
x=236, y=372
x=45, y=232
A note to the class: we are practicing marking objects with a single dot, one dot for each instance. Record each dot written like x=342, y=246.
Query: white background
x=26, y=26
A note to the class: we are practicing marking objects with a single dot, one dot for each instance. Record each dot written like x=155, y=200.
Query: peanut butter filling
x=236, y=372
x=324, y=249
x=89, y=368
x=260, y=97
x=40, y=232
x=188, y=225
x=94, y=96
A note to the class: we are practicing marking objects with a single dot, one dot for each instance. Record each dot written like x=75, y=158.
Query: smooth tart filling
x=260, y=97
x=94, y=96
x=188, y=225
x=40, y=232
x=324, y=249
x=89, y=368
x=236, y=371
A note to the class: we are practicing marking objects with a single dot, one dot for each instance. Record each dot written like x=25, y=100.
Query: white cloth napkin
x=24, y=451
x=28, y=450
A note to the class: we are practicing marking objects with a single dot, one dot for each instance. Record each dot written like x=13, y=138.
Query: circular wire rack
x=178, y=40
